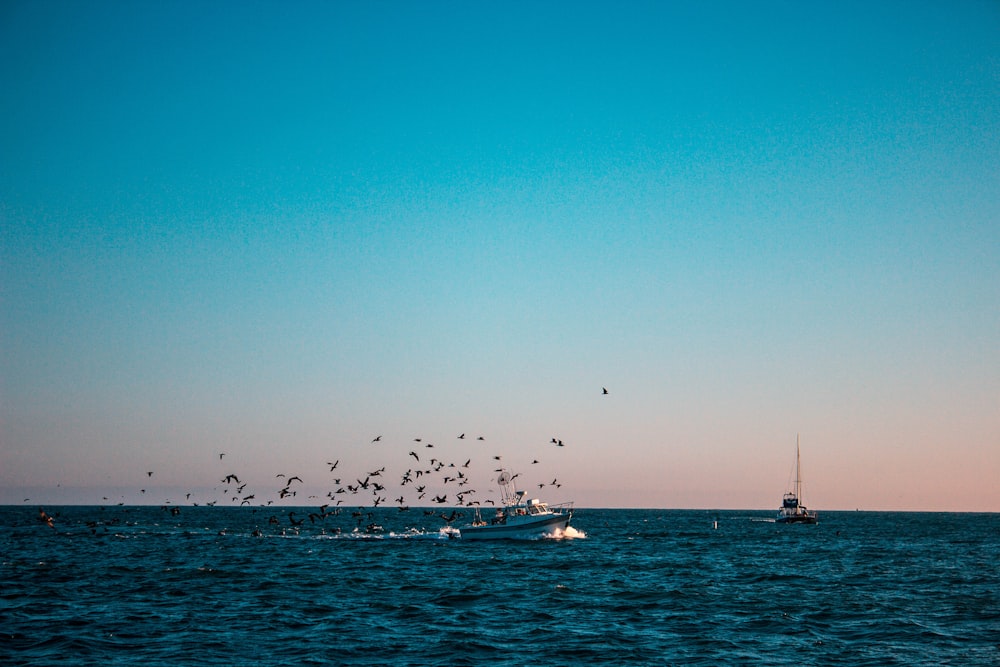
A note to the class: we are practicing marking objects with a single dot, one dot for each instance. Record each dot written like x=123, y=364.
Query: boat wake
x=445, y=533
x=568, y=533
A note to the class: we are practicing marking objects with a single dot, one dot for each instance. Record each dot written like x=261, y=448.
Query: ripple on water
x=642, y=587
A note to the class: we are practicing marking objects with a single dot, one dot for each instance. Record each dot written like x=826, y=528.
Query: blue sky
x=278, y=231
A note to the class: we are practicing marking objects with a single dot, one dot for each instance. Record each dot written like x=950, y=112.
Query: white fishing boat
x=518, y=518
x=792, y=510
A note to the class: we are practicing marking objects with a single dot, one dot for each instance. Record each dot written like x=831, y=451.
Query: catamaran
x=792, y=510
x=518, y=518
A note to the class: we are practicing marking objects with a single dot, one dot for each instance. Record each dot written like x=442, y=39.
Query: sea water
x=228, y=586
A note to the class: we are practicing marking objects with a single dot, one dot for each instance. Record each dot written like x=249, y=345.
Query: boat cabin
x=535, y=506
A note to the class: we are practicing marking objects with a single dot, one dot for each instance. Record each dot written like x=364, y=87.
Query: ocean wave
x=620, y=587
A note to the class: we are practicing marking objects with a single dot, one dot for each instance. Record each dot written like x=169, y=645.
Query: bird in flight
x=377, y=438
x=604, y=390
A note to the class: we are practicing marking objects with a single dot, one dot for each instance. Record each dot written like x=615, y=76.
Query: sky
x=278, y=231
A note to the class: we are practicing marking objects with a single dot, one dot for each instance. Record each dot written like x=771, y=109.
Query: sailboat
x=792, y=510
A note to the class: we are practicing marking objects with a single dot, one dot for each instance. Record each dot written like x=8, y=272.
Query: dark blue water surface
x=143, y=585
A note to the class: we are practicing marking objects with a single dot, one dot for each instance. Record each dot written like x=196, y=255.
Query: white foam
x=569, y=533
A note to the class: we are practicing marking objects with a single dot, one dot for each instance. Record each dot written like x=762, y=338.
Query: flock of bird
x=427, y=480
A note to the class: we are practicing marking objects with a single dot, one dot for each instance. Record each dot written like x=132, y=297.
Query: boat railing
x=562, y=506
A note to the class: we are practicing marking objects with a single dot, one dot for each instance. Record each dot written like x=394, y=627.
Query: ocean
x=230, y=586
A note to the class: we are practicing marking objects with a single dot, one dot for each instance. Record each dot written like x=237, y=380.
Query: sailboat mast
x=798, y=476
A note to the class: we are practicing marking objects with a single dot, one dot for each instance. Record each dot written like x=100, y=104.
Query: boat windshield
x=535, y=507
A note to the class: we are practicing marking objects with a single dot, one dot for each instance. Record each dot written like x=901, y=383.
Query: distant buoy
x=715, y=525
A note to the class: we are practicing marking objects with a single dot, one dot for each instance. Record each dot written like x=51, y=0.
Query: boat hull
x=529, y=530
x=809, y=518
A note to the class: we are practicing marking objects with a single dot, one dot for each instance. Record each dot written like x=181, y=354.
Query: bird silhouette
x=604, y=390
x=44, y=517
